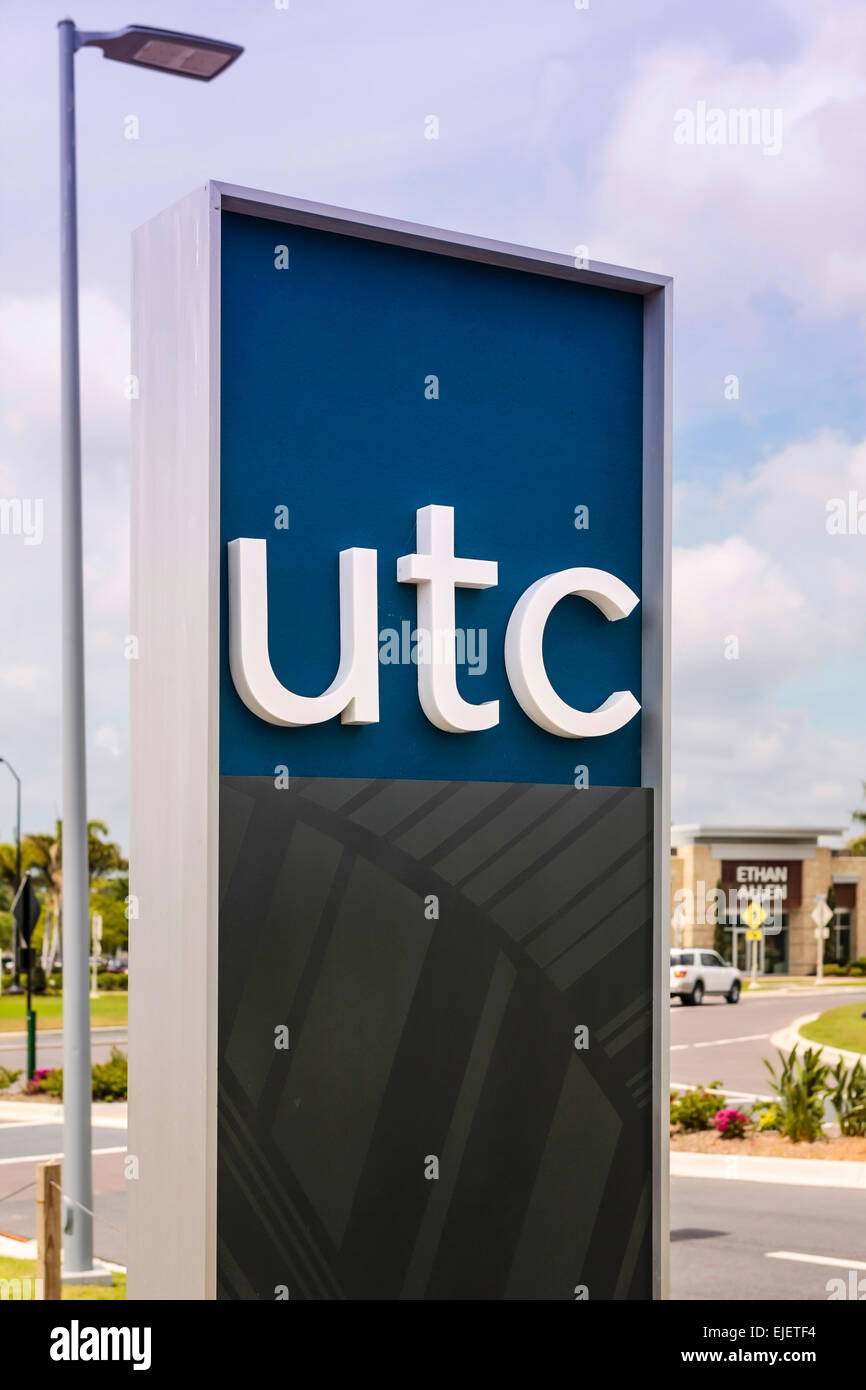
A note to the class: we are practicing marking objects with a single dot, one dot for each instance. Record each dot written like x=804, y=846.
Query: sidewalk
x=111, y=1114
x=792, y=1172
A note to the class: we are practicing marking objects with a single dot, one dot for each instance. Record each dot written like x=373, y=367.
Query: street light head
x=184, y=55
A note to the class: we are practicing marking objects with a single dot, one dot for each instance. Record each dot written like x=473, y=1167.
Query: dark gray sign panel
x=445, y=1129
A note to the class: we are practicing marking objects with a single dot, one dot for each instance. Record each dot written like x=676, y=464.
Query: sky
x=561, y=124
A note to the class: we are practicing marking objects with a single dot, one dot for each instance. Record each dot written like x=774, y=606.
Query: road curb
x=789, y=1037
x=17, y=1247
x=795, y=1172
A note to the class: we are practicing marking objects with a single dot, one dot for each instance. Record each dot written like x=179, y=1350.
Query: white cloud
x=30, y=635
x=29, y=348
x=729, y=222
x=762, y=765
x=20, y=677
x=107, y=738
x=794, y=596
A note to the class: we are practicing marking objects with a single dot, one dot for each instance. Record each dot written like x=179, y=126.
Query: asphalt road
x=725, y=1236
x=723, y=1233
x=49, y=1047
x=23, y=1144
x=726, y=1042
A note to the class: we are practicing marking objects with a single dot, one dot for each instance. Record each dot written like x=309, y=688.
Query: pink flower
x=731, y=1123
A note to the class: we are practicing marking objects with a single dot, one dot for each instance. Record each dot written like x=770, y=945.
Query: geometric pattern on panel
x=414, y=1037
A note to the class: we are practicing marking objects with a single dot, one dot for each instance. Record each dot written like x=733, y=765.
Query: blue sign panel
x=362, y=382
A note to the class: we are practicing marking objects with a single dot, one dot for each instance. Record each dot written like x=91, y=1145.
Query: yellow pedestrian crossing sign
x=754, y=916
x=754, y=935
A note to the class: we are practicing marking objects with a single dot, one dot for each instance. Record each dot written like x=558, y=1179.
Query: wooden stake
x=48, y=1240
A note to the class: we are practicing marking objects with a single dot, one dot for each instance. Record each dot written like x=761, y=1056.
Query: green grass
x=806, y=982
x=108, y=1010
x=842, y=1028
x=21, y=1269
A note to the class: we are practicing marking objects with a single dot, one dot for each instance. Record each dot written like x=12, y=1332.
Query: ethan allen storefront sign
x=779, y=881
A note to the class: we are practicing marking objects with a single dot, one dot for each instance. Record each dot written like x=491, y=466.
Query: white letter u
x=354, y=691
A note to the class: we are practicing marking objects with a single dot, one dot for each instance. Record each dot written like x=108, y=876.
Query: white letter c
x=524, y=659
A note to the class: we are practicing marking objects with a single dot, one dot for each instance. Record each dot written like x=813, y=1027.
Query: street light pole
x=181, y=55
x=77, y=1085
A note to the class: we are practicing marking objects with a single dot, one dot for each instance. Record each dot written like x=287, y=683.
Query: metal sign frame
x=175, y=701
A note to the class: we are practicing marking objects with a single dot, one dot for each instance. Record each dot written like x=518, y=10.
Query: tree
x=43, y=856
x=8, y=885
x=109, y=900
x=858, y=845
x=104, y=857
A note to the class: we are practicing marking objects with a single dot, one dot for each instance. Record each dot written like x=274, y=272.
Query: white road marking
x=47, y=1158
x=720, y=1042
x=27, y=1124
x=815, y=1259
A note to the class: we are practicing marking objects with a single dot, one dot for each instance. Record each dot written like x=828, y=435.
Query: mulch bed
x=40, y=1097
x=769, y=1145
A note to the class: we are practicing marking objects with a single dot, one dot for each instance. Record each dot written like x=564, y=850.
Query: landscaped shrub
x=848, y=1097
x=767, y=1117
x=847, y=967
x=731, y=1123
x=39, y=983
x=44, y=1080
x=110, y=979
x=800, y=1086
x=109, y=1079
x=696, y=1109
x=7, y=1077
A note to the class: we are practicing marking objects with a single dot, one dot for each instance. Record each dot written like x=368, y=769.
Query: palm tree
x=43, y=854
x=8, y=876
x=8, y=885
x=104, y=856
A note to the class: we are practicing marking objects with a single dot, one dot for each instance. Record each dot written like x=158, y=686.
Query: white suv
x=696, y=973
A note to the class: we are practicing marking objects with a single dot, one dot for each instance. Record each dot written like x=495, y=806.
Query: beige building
x=717, y=871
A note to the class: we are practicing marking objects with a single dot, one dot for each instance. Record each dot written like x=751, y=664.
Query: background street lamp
x=184, y=55
x=15, y=987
